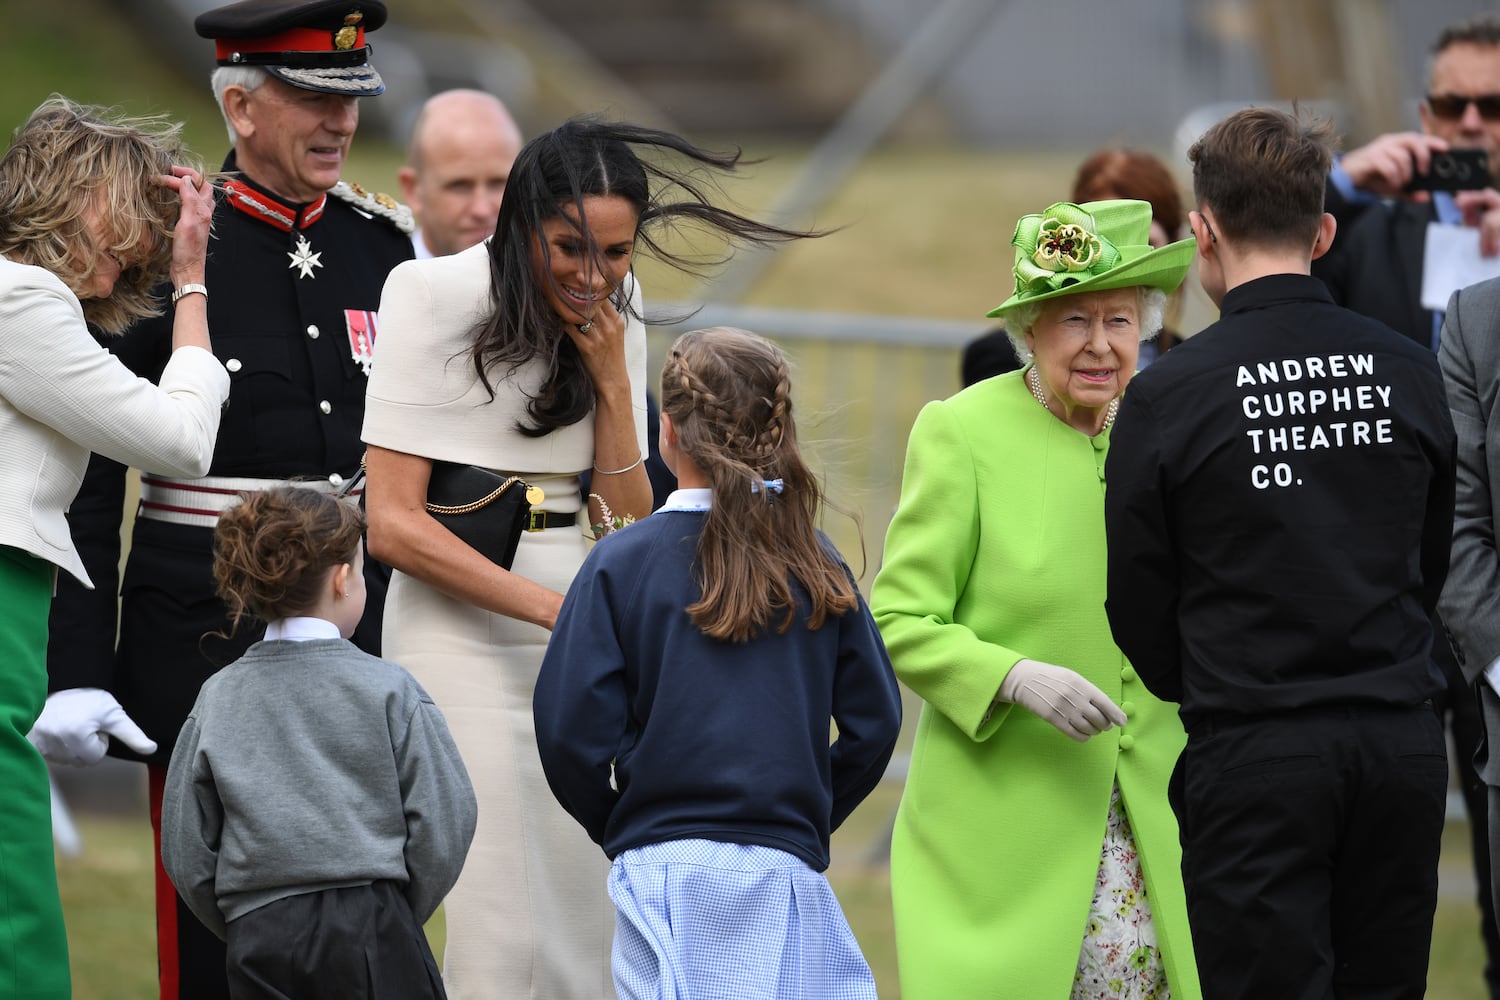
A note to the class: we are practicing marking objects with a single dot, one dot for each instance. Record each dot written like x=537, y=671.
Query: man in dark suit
x=293, y=281
x=1376, y=267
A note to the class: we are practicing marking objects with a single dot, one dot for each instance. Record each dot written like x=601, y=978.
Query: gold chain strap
x=468, y=508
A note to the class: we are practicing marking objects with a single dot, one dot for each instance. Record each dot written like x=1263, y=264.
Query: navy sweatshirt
x=709, y=739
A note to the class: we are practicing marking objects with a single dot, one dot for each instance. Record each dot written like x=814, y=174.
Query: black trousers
x=1310, y=851
x=359, y=943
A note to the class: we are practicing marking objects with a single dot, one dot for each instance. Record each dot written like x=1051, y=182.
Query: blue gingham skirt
x=698, y=919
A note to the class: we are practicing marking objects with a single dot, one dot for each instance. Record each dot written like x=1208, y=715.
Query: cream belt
x=199, y=502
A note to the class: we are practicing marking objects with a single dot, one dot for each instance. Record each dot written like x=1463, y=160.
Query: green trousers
x=33, y=943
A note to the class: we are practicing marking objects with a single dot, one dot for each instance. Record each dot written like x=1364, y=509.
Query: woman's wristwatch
x=193, y=288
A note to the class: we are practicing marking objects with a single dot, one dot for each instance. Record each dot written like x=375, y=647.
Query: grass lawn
x=922, y=231
x=107, y=896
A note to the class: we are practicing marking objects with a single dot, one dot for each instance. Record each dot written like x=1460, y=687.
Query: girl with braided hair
x=683, y=707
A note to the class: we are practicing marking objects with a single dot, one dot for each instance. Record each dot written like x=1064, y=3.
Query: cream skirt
x=530, y=916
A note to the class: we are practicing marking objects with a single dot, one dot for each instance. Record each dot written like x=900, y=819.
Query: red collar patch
x=259, y=205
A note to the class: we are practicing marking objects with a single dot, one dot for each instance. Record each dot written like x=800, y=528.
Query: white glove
x=1062, y=697
x=75, y=726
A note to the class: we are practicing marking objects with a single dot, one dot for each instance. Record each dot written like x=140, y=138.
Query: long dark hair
x=585, y=156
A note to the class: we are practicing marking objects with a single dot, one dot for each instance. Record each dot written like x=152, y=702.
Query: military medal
x=361, y=325
x=304, y=258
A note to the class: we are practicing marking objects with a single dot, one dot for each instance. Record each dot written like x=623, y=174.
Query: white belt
x=199, y=502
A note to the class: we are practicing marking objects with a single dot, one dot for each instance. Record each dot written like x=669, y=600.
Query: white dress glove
x=75, y=726
x=1062, y=697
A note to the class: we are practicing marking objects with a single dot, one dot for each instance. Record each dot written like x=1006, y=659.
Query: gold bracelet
x=615, y=472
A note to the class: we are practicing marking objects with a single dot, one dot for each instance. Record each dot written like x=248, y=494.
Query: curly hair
x=71, y=160
x=728, y=393
x=586, y=156
x=274, y=550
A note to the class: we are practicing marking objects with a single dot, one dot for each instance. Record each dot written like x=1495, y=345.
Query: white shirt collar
x=696, y=500
x=301, y=629
x=419, y=246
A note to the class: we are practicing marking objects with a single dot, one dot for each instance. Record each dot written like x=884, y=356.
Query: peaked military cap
x=313, y=44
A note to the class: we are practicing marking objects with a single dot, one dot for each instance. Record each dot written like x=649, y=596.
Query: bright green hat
x=1093, y=247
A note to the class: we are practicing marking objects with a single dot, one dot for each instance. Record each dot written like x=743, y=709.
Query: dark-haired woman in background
x=1119, y=172
x=524, y=355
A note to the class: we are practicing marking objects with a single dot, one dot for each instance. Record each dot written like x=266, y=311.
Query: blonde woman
x=95, y=210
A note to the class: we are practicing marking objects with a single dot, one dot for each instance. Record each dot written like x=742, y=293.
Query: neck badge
x=304, y=258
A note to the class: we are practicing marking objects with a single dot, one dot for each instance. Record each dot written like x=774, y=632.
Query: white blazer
x=63, y=396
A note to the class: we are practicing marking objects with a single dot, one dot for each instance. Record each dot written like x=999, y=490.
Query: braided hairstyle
x=274, y=550
x=728, y=393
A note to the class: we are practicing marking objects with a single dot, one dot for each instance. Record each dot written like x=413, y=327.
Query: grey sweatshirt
x=307, y=766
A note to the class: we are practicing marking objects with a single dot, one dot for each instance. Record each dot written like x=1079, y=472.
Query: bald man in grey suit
x=1469, y=352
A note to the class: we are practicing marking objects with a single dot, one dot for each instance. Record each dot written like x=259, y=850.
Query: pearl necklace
x=1034, y=383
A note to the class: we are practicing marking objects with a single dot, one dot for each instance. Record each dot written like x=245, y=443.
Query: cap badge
x=345, y=37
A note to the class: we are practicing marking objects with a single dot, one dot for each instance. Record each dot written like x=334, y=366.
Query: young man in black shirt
x=1279, y=509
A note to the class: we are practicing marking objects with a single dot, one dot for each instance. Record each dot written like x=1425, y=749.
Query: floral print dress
x=1120, y=959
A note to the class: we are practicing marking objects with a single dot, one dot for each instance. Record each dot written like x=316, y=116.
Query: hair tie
x=773, y=485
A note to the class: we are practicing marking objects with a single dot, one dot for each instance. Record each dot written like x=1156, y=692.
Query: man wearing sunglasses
x=1376, y=267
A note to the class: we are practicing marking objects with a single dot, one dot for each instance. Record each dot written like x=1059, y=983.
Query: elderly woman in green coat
x=1035, y=854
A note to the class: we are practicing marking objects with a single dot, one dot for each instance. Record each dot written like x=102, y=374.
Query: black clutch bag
x=486, y=511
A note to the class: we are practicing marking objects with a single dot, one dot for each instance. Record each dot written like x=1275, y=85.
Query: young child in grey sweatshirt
x=316, y=810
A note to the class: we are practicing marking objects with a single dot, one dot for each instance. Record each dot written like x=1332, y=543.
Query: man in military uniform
x=294, y=279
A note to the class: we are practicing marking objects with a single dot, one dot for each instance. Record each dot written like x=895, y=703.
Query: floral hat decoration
x=1093, y=247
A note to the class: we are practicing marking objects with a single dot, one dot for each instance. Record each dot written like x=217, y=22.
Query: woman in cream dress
x=525, y=355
